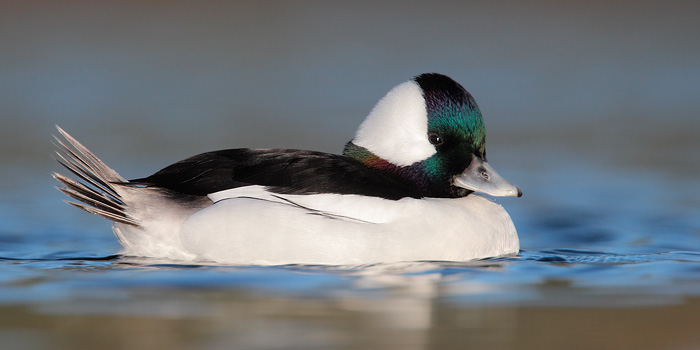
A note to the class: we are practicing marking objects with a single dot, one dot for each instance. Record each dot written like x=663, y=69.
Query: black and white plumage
x=281, y=170
x=403, y=190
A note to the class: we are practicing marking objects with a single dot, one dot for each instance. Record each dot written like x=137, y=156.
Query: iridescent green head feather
x=426, y=134
x=452, y=111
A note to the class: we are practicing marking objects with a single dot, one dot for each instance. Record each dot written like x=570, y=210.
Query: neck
x=367, y=158
x=411, y=176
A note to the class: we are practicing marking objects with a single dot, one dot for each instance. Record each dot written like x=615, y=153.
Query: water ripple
x=586, y=256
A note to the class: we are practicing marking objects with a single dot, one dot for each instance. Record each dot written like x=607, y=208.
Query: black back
x=282, y=170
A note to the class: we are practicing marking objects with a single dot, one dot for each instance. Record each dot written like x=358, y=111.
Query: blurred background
x=617, y=81
x=592, y=107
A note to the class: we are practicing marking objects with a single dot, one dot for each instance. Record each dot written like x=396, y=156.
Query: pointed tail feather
x=97, y=191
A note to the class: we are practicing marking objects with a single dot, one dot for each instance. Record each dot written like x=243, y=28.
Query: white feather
x=397, y=128
x=243, y=227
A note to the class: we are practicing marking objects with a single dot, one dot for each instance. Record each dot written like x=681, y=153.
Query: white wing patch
x=254, y=191
x=397, y=127
x=341, y=206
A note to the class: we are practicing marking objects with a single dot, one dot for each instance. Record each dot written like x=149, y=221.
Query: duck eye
x=435, y=139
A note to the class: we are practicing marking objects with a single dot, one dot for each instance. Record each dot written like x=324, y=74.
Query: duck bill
x=480, y=177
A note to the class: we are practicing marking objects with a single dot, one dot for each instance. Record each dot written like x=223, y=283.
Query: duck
x=412, y=185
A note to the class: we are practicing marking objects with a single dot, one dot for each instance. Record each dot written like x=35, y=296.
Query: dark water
x=592, y=109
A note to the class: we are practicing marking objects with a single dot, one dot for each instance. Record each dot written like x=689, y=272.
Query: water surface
x=596, y=261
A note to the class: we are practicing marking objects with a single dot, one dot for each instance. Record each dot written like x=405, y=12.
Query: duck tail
x=97, y=191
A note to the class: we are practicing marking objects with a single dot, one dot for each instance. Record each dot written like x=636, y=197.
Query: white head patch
x=397, y=127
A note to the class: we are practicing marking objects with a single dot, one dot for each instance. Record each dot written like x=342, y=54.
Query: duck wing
x=283, y=171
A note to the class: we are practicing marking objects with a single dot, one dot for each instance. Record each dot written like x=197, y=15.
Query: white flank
x=253, y=226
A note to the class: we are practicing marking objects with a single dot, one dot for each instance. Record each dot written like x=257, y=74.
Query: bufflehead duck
x=405, y=189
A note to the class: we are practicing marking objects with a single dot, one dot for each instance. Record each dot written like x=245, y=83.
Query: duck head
x=428, y=134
